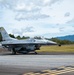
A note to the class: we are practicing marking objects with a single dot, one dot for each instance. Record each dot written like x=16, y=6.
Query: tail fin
x=4, y=34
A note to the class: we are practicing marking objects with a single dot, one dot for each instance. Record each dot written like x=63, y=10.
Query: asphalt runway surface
x=19, y=64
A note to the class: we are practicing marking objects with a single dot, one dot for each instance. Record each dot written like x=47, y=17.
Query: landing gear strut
x=13, y=51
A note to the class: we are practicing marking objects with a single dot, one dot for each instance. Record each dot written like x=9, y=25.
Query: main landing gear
x=22, y=51
x=13, y=51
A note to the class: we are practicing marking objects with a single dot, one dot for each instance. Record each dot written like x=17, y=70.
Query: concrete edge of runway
x=42, y=53
x=54, y=71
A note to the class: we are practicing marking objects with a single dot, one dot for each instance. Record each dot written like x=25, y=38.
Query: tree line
x=62, y=42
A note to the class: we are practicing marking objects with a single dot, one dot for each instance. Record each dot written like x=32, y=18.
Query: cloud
x=31, y=16
x=30, y=10
x=46, y=1
x=54, y=1
x=28, y=29
x=23, y=30
x=67, y=14
x=62, y=29
x=50, y=2
x=26, y=4
x=25, y=10
x=16, y=32
x=35, y=31
x=66, y=29
x=70, y=21
x=1, y=15
x=10, y=4
x=37, y=17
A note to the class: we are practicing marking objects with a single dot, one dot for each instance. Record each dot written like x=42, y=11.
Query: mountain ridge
x=67, y=37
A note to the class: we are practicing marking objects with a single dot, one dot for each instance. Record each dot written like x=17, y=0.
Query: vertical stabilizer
x=4, y=34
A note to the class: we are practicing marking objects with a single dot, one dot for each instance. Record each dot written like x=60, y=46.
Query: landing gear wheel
x=36, y=53
x=26, y=52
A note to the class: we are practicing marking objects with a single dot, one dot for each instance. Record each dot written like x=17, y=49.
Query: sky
x=45, y=18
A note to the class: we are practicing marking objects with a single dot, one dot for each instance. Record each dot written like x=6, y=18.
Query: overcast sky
x=48, y=18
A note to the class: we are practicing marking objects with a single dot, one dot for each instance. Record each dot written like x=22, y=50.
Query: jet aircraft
x=22, y=46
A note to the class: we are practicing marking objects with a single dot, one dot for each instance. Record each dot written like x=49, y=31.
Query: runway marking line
x=54, y=71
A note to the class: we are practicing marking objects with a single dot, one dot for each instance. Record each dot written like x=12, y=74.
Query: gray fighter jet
x=22, y=46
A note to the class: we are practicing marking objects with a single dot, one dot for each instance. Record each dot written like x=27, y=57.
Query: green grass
x=63, y=49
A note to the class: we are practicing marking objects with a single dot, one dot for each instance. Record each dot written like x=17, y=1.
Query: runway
x=18, y=64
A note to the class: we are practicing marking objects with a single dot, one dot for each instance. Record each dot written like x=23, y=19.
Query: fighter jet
x=22, y=46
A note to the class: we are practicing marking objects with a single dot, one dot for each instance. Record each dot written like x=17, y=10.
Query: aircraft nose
x=51, y=43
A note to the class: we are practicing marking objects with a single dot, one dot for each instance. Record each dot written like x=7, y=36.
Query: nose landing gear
x=36, y=53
